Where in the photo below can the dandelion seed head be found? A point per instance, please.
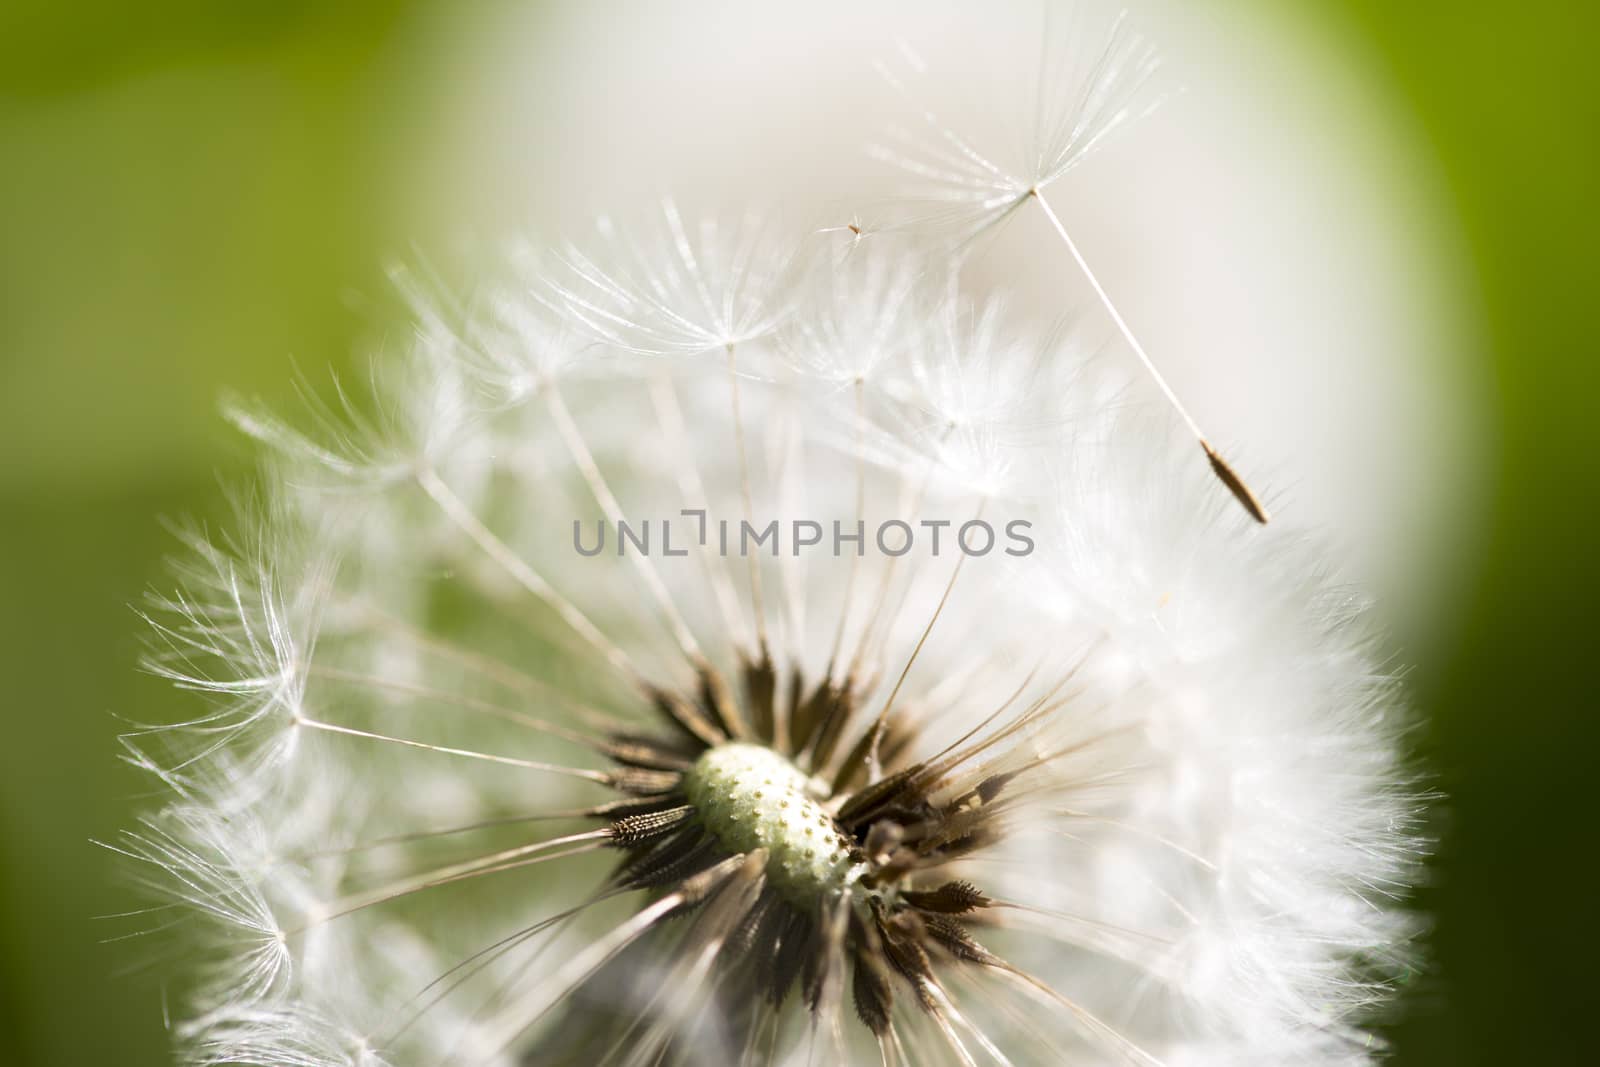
(1118, 784)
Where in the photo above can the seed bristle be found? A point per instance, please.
(952, 898)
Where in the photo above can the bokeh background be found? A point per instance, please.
(199, 197)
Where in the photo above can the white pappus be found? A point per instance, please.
(892, 792)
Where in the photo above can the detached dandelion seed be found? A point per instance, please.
(974, 731)
(1101, 84)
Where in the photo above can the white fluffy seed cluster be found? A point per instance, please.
(1218, 830)
(750, 797)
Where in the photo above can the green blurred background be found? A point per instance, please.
(191, 192)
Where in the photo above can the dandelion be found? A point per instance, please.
(920, 708)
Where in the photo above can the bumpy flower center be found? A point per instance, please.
(750, 797)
